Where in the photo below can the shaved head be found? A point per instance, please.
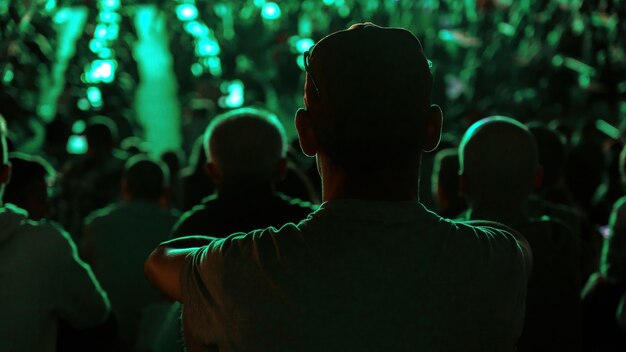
(498, 161)
(246, 143)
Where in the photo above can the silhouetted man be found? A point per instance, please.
(246, 154)
(499, 169)
(372, 269)
(43, 280)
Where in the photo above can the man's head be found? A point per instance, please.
(101, 134)
(367, 97)
(245, 145)
(144, 179)
(28, 188)
(5, 168)
(498, 162)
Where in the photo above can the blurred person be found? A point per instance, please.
(43, 280)
(28, 188)
(606, 288)
(445, 183)
(372, 269)
(173, 159)
(117, 239)
(246, 158)
(91, 181)
(196, 184)
(499, 169)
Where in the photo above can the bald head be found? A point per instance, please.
(246, 144)
(498, 161)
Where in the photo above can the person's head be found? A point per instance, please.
(498, 162)
(368, 102)
(244, 145)
(28, 188)
(445, 182)
(5, 168)
(101, 134)
(144, 179)
(552, 153)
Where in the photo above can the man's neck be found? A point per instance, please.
(398, 186)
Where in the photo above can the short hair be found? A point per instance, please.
(246, 143)
(26, 170)
(372, 86)
(499, 157)
(101, 133)
(4, 157)
(145, 179)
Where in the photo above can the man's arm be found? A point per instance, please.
(165, 263)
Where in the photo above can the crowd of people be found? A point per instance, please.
(259, 236)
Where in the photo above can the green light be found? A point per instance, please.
(76, 145)
(50, 5)
(506, 29)
(207, 47)
(101, 71)
(187, 12)
(446, 35)
(8, 76)
(584, 81)
(196, 29)
(259, 3)
(94, 95)
(344, 11)
(100, 32)
(300, 62)
(304, 44)
(608, 129)
(215, 65)
(270, 11)
(110, 17)
(106, 53)
(328, 2)
(62, 16)
(197, 69)
(79, 127)
(557, 60)
(235, 97)
(110, 4)
(83, 104)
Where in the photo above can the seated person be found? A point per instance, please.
(372, 269)
(43, 279)
(246, 154)
(445, 183)
(118, 238)
(499, 169)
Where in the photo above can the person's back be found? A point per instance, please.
(372, 269)
(360, 275)
(43, 280)
(245, 151)
(499, 168)
(118, 238)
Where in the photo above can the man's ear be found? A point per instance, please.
(306, 133)
(433, 128)
(213, 171)
(538, 178)
(5, 174)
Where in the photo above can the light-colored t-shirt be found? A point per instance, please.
(359, 276)
(42, 280)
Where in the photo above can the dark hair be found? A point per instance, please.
(145, 179)
(372, 88)
(101, 133)
(552, 153)
(26, 170)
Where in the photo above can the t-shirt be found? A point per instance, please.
(116, 242)
(226, 213)
(42, 280)
(359, 276)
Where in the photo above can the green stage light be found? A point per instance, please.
(197, 69)
(110, 5)
(304, 44)
(196, 29)
(76, 145)
(270, 11)
(79, 127)
(110, 17)
(94, 95)
(207, 47)
(101, 71)
(187, 12)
